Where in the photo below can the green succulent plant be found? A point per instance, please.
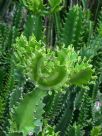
(50, 68)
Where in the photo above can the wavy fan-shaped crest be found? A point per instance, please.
(54, 69)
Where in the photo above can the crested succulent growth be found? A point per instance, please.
(54, 69)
